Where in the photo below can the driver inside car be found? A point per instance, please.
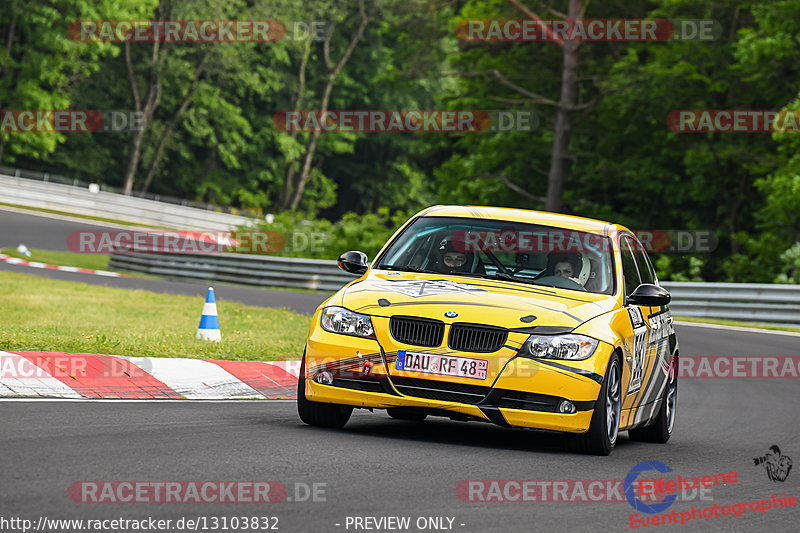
(451, 260)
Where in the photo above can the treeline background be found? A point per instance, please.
(210, 136)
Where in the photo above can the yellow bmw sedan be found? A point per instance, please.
(519, 318)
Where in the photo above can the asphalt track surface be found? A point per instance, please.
(380, 467)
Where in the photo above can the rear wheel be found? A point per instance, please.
(660, 429)
(604, 427)
(404, 413)
(326, 415)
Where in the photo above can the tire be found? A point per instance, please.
(604, 428)
(325, 415)
(404, 413)
(660, 430)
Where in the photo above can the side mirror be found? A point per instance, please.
(650, 295)
(353, 262)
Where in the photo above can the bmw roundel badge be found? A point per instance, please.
(451, 314)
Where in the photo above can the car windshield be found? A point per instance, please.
(511, 251)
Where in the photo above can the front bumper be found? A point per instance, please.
(521, 392)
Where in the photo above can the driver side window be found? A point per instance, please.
(629, 271)
(646, 271)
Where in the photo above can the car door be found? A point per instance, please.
(635, 337)
(661, 340)
(646, 353)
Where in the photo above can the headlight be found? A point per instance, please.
(572, 347)
(340, 320)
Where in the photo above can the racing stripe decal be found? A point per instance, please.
(580, 371)
(494, 415)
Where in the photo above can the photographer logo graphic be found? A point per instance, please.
(777, 466)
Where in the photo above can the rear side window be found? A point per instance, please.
(629, 270)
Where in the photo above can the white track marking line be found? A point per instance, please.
(35, 264)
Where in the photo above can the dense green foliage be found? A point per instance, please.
(625, 165)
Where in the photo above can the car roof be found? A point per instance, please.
(523, 215)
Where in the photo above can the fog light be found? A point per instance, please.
(566, 406)
(325, 378)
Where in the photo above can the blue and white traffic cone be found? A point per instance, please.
(23, 250)
(209, 322)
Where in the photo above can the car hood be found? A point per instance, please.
(476, 300)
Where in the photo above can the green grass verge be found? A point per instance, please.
(75, 215)
(723, 322)
(63, 316)
(91, 261)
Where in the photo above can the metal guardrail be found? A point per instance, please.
(83, 201)
(46, 177)
(748, 302)
(260, 270)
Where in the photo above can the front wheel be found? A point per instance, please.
(326, 415)
(604, 427)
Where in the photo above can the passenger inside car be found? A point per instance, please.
(565, 265)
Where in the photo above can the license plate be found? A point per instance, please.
(446, 365)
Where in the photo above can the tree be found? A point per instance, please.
(296, 185)
(40, 64)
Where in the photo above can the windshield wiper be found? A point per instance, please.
(511, 277)
(497, 275)
(405, 268)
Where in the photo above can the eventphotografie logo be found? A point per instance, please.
(666, 491)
